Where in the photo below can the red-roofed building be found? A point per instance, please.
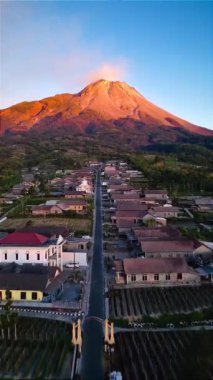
(167, 248)
(32, 248)
(169, 271)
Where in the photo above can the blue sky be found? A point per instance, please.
(164, 49)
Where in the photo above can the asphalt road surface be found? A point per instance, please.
(93, 339)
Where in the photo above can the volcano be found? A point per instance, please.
(102, 104)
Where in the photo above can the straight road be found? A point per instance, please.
(93, 338)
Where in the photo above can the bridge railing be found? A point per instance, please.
(73, 305)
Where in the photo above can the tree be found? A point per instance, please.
(7, 309)
(2, 325)
(151, 223)
(14, 320)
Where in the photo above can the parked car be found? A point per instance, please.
(72, 265)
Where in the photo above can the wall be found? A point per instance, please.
(167, 254)
(44, 251)
(16, 295)
(79, 257)
(186, 277)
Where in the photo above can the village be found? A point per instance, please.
(154, 274)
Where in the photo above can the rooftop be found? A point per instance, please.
(170, 265)
(155, 191)
(24, 238)
(167, 246)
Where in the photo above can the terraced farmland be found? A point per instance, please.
(173, 355)
(40, 350)
(139, 302)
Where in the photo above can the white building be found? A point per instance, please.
(85, 186)
(31, 248)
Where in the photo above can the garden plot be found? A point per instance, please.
(40, 349)
(139, 302)
(173, 355)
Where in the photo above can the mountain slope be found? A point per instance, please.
(100, 103)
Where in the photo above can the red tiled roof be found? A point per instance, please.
(24, 238)
(123, 223)
(167, 246)
(170, 265)
(155, 191)
(131, 214)
(127, 196)
(156, 232)
(130, 206)
(165, 209)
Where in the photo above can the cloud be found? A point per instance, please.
(85, 65)
(109, 71)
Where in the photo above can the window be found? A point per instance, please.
(23, 295)
(38, 256)
(179, 276)
(45, 255)
(144, 277)
(27, 256)
(167, 276)
(8, 295)
(5, 256)
(82, 246)
(34, 295)
(133, 277)
(16, 256)
(156, 277)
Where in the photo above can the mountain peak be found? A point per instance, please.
(109, 100)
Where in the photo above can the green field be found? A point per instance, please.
(78, 225)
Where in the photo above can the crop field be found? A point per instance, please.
(138, 302)
(41, 349)
(168, 355)
(73, 224)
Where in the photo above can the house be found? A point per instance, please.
(59, 207)
(31, 282)
(164, 212)
(76, 244)
(131, 206)
(157, 221)
(204, 204)
(124, 226)
(152, 272)
(44, 210)
(136, 216)
(30, 247)
(85, 186)
(167, 248)
(156, 233)
(119, 187)
(128, 196)
(111, 170)
(74, 194)
(77, 205)
(206, 273)
(133, 173)
(156, 194)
